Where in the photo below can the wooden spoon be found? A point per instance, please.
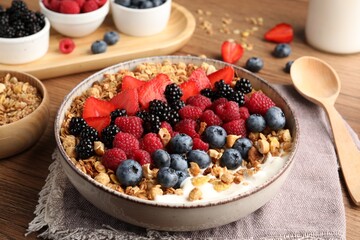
(319, 83)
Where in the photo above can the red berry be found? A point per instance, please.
(231, 51)
(217, 102)
(99, 123)
(127, 142)
(236, 127)
(228, 111)
(199, 101)
(129, 82)
(167, 125)
(127, 99)
(100, 2)
(112, 158)
(259, 103)
(132, 125)
(89, 6)
(210, 118)
(244, 112)
(69, 7)
(187, 126)
(141, 156)
(66, 45)
(94, 107)
(226, 74)
(153, 89)
(80, 2)
(151, 142)
(53, 5)
(190, 112)
(281, 33)
(200, 144)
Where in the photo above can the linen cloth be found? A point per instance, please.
(309, 205)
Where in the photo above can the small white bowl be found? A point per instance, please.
(25, 49)
(141, 22)
(76, 25)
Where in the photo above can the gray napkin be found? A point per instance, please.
(308, 206)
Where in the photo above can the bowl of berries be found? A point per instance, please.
(176, 143)
(75, 18)
(24, 34)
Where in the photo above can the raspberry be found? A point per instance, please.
(168, 127)
(236, 127)
(199, 101)
(141, 156)
(210, 118)
(200, 144)
(132, 125)
(126, 142)
(80, 2)
(244, 112)
(151, 142)
(190, 112)
(228, 111)
(259, 103)
(69, 7)
(54, 5)
(187, 126)
(100, 2)
(66, 45)
(112, 158)
(217, 102)
(89, 6)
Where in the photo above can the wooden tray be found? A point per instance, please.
(178, 31)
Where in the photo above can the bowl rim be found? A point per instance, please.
(188, 205)
(29, 38)
(137, 10)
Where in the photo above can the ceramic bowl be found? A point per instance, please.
(25, 49)
(141, 22)
(17, 136)
(76, 25)
(171, 216)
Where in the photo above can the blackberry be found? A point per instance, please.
(174, 117)
(237, 97)
(243, 85)
(207, 92)
(142, 114)
(89, 133)
(117, 113)
(17, 5)
(159, 108)
(223, 90)
(173, 93)
(151, 123)
(84, 149)
(176, 106)
(76, 125)
(108, 135)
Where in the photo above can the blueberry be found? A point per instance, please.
(182, 175)
(282, 50)
(178, 162)
(275, 118)
(146, 4)
(98, 46)
(200, 157)
(161, 158)
(158, 2)
(254, 64)
(215, 136)
(111, 37)
(243, 145)
(255, 123)
(181, 143)
(288, 66)
(167, 177)
(129, 173)
(125, 3)
(231, 159)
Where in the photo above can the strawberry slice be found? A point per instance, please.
(99, 123)
(94, 107)
(129, 82)
(226, 73)
(200, 78)
(127, 99)
(281, 33)
(153, 89)
(189, 89)
(231, 51)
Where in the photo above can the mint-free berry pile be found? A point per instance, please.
(172, 130)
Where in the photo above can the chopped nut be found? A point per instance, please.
(99, 167)
(194, 169)
(227, 177)
(231, 139)
(164, 136)
(202, 127)
(99, 148)
(262, 146)
(220, 186)
(154, 191)
(195, 194)
(198, 181)
(114, 179)
(102, 178)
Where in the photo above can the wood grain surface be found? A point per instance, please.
(22, 176)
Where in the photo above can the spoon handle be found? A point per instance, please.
(347, 151)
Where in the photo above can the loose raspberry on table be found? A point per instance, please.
(259, 103)
(113, 157)
(200, 144)
(244, 112)
(236, 127)
(210, 118)
(199, 101)
(151, 142)
(228, 111)
(190, 112)
(141, 156)
(187, 126)
(131, 124)
(167, 125)
(126, 142)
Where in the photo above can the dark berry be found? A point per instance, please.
(84, 149)
(117, 113)
(125, 3)
(282, 50)
(160, 109)
(178, 162)
(180, 143)
(223, 90)
(215, 136)
(174, 117)
(182, 175)
(200, 157)
(151, 123)
(129, 173)
(161, 158)
(255, 123)
(146, 4)
(173, 93)
(243, 85)
(288, 66)
(275, 118)
(207, 92)
(76, 125)
(89, 133)
(167, 177)
(254, 64)
(243, 145)
(108, 135)
(237, 97)
(111, 37)
(231, 158)
(99, 46)
(177, 105)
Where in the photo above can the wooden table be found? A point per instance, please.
(22, 176)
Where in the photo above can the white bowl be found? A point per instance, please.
(172, 216)
(76, 25)
(141, 22)
(25, 49)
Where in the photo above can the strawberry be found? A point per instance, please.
(127, 99)
(153, 89)
(99, 123)
(189, 89)
(259, 103)
(281, 33)
(94, 107)
(226, 73)
(200, 78)
(231, 51)
(129, 82)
